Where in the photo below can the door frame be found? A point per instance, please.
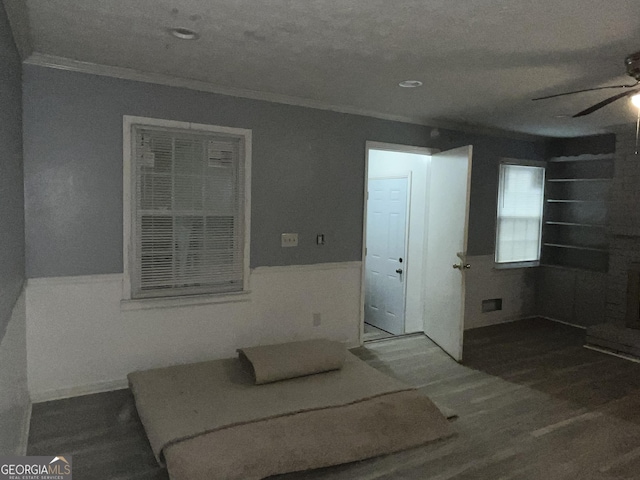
(392, 147)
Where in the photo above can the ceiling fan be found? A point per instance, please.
(632, 62)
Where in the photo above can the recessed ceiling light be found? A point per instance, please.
(410, 83)
(184, 33)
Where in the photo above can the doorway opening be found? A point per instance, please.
(415, 228)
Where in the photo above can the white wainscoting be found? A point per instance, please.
(81, 340)
(15, 407)
(515, 286)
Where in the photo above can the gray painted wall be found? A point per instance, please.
(14, 398)
(308, 170)
(11, 184)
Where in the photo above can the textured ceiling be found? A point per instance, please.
(481, 61)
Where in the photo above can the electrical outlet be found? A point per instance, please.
(289, 240)
(317, 319)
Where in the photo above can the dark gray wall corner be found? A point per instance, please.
(12, 255)
(593, 145)
(14, 397)
(307, 170)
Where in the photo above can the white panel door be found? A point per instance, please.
(386, 254)
(446, 248)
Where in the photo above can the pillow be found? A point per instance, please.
(271, 363)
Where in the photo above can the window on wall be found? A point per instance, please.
(188, 208)
(520, 207)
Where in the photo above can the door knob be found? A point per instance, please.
(461, 266)
(399, 270)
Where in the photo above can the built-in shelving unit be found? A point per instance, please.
(576, 210)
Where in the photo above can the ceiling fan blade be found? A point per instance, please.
(605, 102)
(585, 90)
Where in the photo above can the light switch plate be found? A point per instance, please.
(289, 240)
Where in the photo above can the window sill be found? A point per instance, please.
(514, 265)
(184, 301)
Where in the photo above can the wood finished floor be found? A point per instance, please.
(374, 333)
(532, 404)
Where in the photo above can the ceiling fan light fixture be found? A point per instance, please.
(410, 84)
(184, 33)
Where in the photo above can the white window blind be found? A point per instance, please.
(188, 212)
(520, 205)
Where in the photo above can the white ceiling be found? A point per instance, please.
(481, 61)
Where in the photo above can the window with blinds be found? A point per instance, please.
(520, 207)
(188, 215)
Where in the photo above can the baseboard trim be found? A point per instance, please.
(612, 353)
(79, 391)
(26, 427)
(503, 321)
(528, 317)
(581, 327)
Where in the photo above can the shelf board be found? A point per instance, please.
(585, 269)
(557, 200)
(584, 158)
(573, 224)
(574, 268)
(576, 247)
(579, 179)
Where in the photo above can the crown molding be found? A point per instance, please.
(62, 63)
(18, 16)
(68, 64)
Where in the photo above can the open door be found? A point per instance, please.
(446, 249)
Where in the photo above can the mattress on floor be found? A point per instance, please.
(210, 421)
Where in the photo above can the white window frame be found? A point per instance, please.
(529, 263)
(128, 185)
